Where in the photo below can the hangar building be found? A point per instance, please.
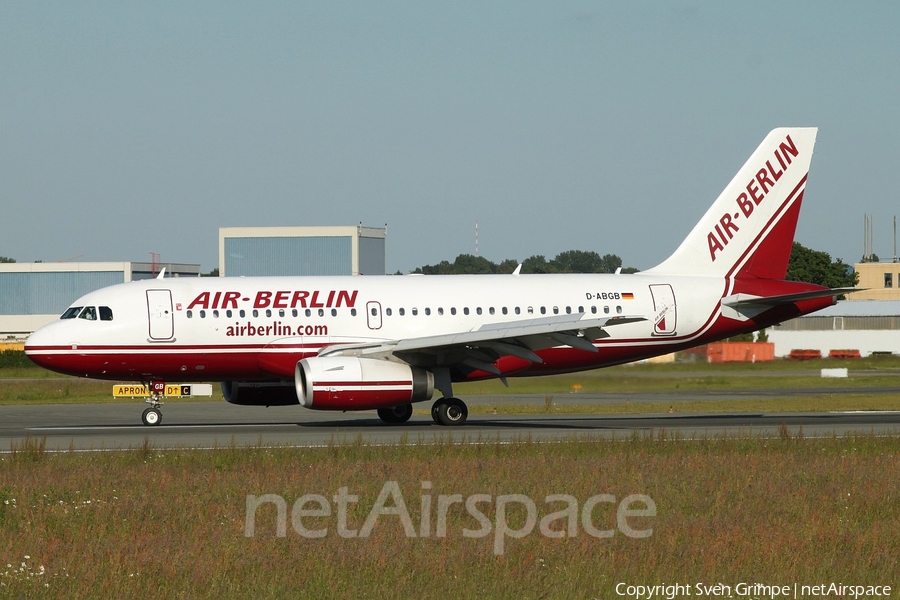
(306, 251)
(865, 325)
(33, 294)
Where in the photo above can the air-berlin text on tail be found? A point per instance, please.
(278, 299)
(754, 193)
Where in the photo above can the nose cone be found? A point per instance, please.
(44, 348)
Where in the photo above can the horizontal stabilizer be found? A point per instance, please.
(746, 306)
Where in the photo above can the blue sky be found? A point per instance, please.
(135, 127)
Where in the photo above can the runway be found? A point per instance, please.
(216, 424)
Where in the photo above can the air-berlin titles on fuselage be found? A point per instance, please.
(756, 191)
(279, 299)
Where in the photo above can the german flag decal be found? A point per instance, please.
(627, 296)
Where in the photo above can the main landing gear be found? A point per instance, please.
(445, 411)
(449, 411)
(396, 414)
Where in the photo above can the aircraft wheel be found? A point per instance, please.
(396, 414)
(451, 411)
(434, 411)
(152, 416)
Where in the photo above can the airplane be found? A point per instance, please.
(385, 342)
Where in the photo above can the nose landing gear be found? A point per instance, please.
(152, 415)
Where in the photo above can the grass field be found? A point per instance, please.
(154, 524)
(148, 523)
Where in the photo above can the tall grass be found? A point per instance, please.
(170, 524)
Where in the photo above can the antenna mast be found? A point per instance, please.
(154, 264)
(476, 238)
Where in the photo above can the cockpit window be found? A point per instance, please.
(89, 313)
(105, 313)
(71, 312)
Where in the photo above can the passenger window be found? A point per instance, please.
(466, 310)
(202, 314)
(388, 311)
(543, 310)
(105, 313)
(375, 311)
(401, 311)
(321, 312)
(518, 311)
(593, 310)
(478, 310)
(619, 310)
(89, 313)
(530, 310)
(440, 310)
(243, 313)
(606, 310)
(281, 312)
(427, 311)
(453, 310)
(503, 310)
(308, 312)
(268, 313)
(333, 312)
(72, 312)
(581, 309)
(255, 313)
(568, 310)
(294, 313)
(415, 311)
(216, 314)
(352, 312)
(555, 310)
(190, 314)
(228, 313)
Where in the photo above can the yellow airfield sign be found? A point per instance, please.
(175, 390)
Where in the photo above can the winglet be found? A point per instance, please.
(518, 269)
(162, 273)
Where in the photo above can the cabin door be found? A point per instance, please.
(159, 311)
(664, 314)
(373, 315)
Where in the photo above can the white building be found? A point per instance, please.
(303, 251)
(865, 325)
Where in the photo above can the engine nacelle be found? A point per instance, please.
(254, 393)
(353, 383)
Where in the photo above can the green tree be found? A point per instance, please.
(813, 266)
(570, 261)
(577, 261)
(6, 259)
(536, 264)
(213, 273)
(464, 263)
(507, 266)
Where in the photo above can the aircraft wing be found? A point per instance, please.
(483, 345)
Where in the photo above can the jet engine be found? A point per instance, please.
(354, 383)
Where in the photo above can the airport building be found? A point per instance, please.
(870, 326)
(303, 251)
(880, 280)
(33, 294)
